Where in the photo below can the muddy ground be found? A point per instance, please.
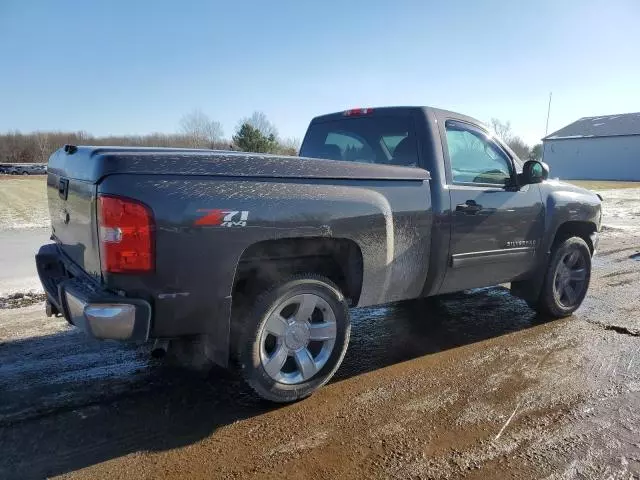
(474, 385)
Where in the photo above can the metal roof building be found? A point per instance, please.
(596, 148)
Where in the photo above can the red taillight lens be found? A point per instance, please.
(126, 230)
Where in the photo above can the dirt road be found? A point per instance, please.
(472, 386)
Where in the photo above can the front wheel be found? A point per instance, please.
(294, 339)
(567, 278)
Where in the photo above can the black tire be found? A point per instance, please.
(251, 324)
(552, 301)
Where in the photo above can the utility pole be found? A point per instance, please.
(546, 129)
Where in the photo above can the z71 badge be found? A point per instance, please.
(222, 218)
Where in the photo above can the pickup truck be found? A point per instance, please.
(256, 259)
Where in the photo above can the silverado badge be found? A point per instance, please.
(521, 243)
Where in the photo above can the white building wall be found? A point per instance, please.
(601, 158)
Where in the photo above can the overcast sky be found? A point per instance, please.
(133, 67)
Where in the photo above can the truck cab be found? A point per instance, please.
(492, 222)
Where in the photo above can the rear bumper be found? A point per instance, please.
(595, 240)
(85, 304)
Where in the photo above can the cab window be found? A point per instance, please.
(387, 140)
(475, 158)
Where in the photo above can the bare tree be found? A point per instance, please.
(200, 130)
(502, 130)
(14, 146)
(44, 149)
(290, 146)
(520, 148)
(259, 121)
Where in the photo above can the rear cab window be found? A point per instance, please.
(385, 140)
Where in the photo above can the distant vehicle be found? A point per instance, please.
(24, 169)
(259, 257)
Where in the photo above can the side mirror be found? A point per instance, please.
(533, 171)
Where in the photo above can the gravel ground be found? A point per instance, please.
(471, 386)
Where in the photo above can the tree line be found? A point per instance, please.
(255, 133)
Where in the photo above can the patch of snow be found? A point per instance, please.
(17, 252)
(21, 285)
(621, 210)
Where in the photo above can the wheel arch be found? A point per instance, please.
(530, 288)
(576, 228)
(266, 262)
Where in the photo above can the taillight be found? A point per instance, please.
(354, 112)
(126, 230)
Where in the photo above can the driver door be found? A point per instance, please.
(495, 226)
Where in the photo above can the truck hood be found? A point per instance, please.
(569, 189)
(93, 163)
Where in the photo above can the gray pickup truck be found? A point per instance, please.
(257, 258)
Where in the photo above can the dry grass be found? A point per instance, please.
(604, 184)
(23, 202)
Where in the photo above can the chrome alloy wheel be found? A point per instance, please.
(297, 338)
(570, 279)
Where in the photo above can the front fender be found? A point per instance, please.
(566, 207)
(567, 203)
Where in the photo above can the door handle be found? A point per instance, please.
(469, 207)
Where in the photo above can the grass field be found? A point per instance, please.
(23, 202)
(603, 184)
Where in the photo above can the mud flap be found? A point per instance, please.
(217, 345)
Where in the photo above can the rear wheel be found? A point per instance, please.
(567, 278)
(294, 339)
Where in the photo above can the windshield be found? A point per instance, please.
(384, 140)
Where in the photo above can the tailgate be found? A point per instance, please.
(72, 208)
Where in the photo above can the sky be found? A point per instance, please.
(134, 67)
